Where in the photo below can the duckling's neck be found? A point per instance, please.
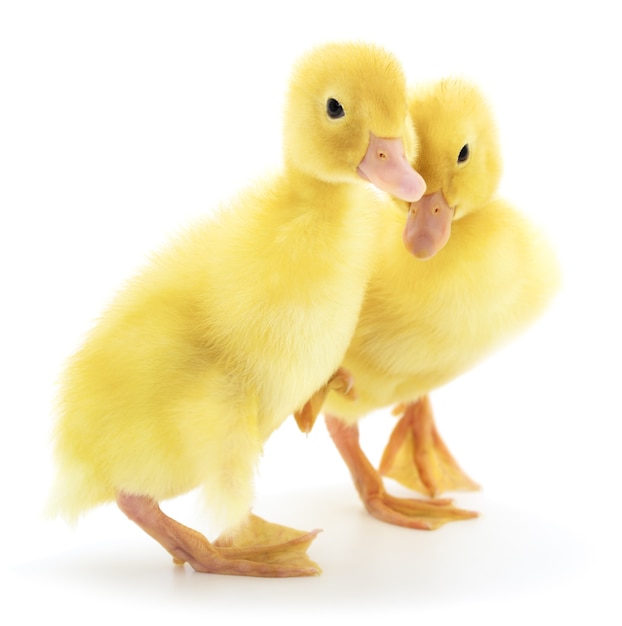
(308, 217)
(310, 194)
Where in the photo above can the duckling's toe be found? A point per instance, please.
(262, 542)
(413, 513)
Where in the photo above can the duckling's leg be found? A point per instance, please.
(412, 513)
(417, 457)
(283, 559)
(341, 382)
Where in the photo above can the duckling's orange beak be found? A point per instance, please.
(428, 225)
(385, 165)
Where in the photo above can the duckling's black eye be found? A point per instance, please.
(464, 153)
(334, 109)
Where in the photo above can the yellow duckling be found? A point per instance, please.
(487, 273)
(234, 325)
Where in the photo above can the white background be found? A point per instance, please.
(122, 121)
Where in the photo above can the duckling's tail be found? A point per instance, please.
(73, 493)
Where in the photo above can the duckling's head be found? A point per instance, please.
(459, 158)
(347, 118)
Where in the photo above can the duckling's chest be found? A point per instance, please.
(288, 317)
(439, 324)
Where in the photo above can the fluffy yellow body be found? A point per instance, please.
(426, 322)
(210, 348)
(488, 272)
(240, 320)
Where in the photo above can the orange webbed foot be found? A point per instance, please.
(264, 542)
(258, 548)
(417, 457)
(407, 512)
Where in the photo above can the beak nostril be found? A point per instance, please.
(436, 210)
(383, 156)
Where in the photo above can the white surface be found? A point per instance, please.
(120, 123)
